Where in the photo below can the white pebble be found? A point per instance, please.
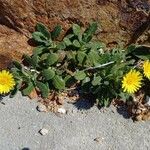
(61, 110)
(43, 131)
(41, 108)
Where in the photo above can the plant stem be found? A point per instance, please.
(99, 66)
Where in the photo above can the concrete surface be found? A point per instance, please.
(20, 123)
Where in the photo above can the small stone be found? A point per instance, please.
(60, 100)
(61, 110)
(98, 139)
(74, 111)
(43, 131)
(112, 111)
(138, 111)
(41, 108)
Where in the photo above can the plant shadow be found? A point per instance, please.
(1, 98)
(123, 110)
(25, 148)
(32, 43)
(84, 103)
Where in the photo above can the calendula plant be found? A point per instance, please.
(49, 68)
(103, 80)
(39, 71)
(77, 60)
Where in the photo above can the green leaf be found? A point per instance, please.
(87, 36)
(16, 73)
(106, 83)
(27, 58)
(44, 89)
(17, 65)
(39, 37)
(28, 89)
(38, 50)
(44, 56)
(69, 80)
(91, 29)
(58, 82)
(51, 59)
(106, 102)
(142, 53)
(67, 41)
(59, 72)
(76, 43)
(81, 56)
(80, 75)
(93, 57)
(55, 33)
(96, 81)
(95, 45)
(131, 48)
(87, 79)
(34, 60)
(124, 96)
(16, 89)
(48, 74)
(76, 29)
(71, 55)
(61, 46)
(69, 36)
(43, 29)
(14, 92)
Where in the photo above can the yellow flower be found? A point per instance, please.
(132, 81)
(6, 82)
(146, 68)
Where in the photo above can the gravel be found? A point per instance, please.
(43, 131)
(61, 110)
(41, 108)
(82, 128)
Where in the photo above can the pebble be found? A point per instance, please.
(74, 111)
(41, 108)
(98, 139)
(61, 100)
(61, 110)
(43, 131)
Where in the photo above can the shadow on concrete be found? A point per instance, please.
(25, 148)
(123, 110)
(84, 104)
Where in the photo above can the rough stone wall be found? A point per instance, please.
(120, 21)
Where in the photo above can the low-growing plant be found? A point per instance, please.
(78, 61)
(39, 71)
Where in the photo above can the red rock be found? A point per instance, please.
(121, 22)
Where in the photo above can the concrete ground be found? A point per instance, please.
(89, 129)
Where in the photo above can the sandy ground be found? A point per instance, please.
(20, 123)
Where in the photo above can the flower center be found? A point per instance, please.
(3, 81)
(130, 81)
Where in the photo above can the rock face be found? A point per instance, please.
(12, 46)
(121, 21)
